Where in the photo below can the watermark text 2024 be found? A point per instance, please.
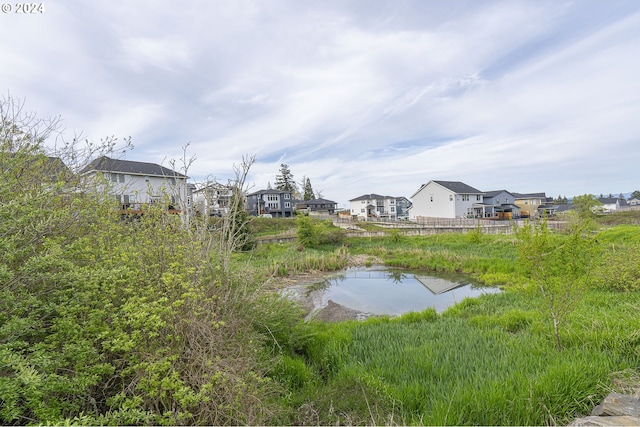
(22, 8)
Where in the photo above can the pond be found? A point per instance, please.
(374, 291)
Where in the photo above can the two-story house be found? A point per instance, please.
(447, 199)
(277, 203)
(133, 184)
(373, 206)
(212, 199)
(500, 204)
(531, 204)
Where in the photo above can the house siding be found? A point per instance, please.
(439, 207)
(274, 202)
(135, 190)
(373, 205)
(437, 201)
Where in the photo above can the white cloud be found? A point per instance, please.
(360, 97)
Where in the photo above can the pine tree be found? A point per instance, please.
(284, 181)
(308, 190)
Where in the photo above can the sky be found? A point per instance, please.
(365, 96)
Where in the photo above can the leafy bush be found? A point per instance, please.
(105, 321)
(308, 233)
(313, 234)
(618, 269)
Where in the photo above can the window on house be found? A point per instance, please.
(478, 197)
(465, 197)
(114, 177)
(497, 201)
(117, 197)
(287, 204)
(362, 210)
(393, 208)
(287, 196)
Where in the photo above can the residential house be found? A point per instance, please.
(633, 202)
(212, 199)
(610, 204)
(317, 205)
(402, 207)
(373, 206)
(55, 169)
(133, 184)
(548, 208)
(532, 205)
(500, 204)
(447, 199)
(277, 203)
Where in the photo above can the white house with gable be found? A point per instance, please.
(133, 184)
(373, 206)
(446, 199)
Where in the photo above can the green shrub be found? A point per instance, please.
(308, 233)
(618, 269)
(475, 235)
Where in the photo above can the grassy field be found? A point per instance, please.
(486, 361)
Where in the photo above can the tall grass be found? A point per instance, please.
(284, 259)
(486, 361)
(470, 366)
(492, 259)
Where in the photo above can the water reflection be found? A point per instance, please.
(379, 291)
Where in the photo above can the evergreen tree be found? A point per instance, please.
(621, 196)
(284, 181)
(308, 190)
(635, 194)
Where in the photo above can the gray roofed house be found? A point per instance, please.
(133, 184)
(499, 204)
(107, 164)
(610, 204)
(446, 199)
(277, 203)
(458, 187)
(373, 206)
(315, 205)
(532, 205)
